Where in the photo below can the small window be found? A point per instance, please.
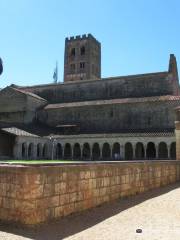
(82, 65)
(82, 51)
(73, 52)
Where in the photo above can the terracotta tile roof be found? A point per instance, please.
(113, 101)
(29, 93)
(130, 134)
(17, 132)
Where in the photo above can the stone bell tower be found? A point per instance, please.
(82, 58)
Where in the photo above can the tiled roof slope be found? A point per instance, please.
(17, 132)
(28, 93)
(113, 101)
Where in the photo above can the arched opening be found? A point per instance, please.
(173, 150)
(96, 151)
(83, 51)
(139, 152)
(77, 151)
(39, 150)
(106, 151)
(45, 151)
(128, 151)
(67, 151)
(73, 52)
(162, 150)
(86, 151)
(30, 150)
(24, 146)
(151, 151)
(58, 151)
(116, 151)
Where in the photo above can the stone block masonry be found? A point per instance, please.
(36, 194)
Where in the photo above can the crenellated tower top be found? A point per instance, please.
(82, 58)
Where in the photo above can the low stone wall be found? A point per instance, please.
(36, 194)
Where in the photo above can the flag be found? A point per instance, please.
(55, 74)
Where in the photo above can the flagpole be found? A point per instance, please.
(56, 71)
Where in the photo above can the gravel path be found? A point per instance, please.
(157, 213)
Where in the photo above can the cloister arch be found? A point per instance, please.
(86, 152)
(45, 151)
(67, 151)
(162, 150)
(58, 151)
(39, 150)
(173, 150)
(96, 153)
(24, 149)
(106, 151)
(139, 151)
(30, 150)
(77, 151)
(128, 151)
(151, 150)
(116, 151)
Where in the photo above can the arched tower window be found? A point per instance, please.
(73, 52)
(83, 51)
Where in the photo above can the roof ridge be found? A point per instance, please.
(28, 93)
(94, 80)
(116, 100)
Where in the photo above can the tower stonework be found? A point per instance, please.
(82, 58)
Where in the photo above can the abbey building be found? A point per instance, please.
(89, 117)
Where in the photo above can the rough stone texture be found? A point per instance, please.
(120, 116)
(32, 195)
(17, 106)
(80, 50)
(143, 85)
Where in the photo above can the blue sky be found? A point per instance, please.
(137, 36)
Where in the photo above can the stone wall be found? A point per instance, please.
(144, 85)
(32, 195)
(114, 117)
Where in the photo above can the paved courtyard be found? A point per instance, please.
(157, 213)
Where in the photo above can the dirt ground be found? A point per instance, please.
(157, 213)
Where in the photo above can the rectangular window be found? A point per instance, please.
(82, 65)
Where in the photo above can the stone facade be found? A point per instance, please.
(82, 58)
(90, 105)
(31, 195)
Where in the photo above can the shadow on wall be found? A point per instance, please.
(78, 222)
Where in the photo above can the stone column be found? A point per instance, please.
(169, 154)
(81, 148)
(100, 146)
(111, 152)
(145, 151)
(62, 151)
(157, 156)
(90, 152)
(122, 152)
(34, 152)
(26, 150)
(134, 151)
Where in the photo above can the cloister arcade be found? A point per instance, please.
(99, 151)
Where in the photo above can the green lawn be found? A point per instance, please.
(36, 161)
